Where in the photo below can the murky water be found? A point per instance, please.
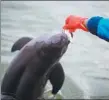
(86, 62)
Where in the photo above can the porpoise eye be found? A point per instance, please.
(43, 52)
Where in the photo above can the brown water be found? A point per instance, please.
(86, 63)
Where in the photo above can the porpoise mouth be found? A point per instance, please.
(69, 35)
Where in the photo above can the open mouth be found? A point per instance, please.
(69, 35)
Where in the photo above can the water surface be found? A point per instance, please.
(86, 62)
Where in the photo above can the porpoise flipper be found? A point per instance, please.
(20, 43)
(57, 77)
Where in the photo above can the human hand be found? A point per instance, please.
(74, 22)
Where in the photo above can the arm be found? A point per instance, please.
(98, 26)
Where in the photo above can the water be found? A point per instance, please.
(86, 62)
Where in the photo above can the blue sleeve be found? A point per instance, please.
(99, 26)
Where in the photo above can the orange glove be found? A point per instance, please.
(74, 22)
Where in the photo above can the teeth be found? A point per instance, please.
(68, 35)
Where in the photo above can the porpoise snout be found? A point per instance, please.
(58, 41)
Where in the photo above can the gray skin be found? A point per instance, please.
(28, 72)
(56, 75)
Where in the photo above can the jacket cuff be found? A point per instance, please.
(92, 24)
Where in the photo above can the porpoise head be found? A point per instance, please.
(54, 48)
